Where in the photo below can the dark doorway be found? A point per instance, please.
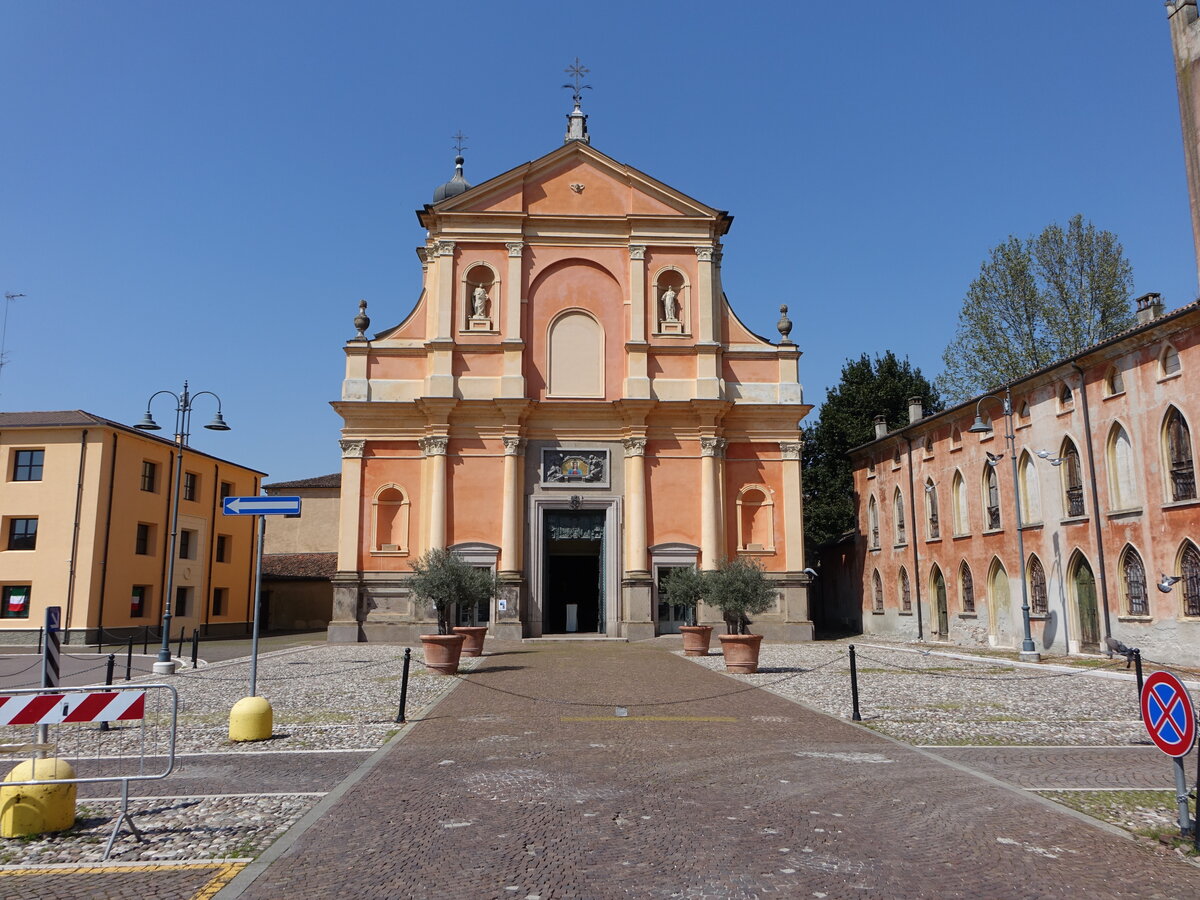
(1085, 595)
(572, 599)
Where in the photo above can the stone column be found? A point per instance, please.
(344, 625)
(510, 527)
(635, 500)
(434, 449)
(712, 450)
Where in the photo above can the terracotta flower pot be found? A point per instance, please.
(741, 652)
(696, 639)
(442, 652)
(474, 634)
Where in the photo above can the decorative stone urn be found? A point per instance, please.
(741, 652)
(442, 652)
(696, 639)
(474, 634)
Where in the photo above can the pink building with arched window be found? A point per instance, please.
(1106, 449)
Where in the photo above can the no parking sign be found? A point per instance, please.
(1167, 712)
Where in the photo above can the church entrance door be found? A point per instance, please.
(573, 587)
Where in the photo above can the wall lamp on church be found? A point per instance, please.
(1028, 649)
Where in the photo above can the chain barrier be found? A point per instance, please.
(36, 662)
(990, 678)
(195, 674)
(1182, 672)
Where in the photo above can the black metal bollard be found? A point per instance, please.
(99, 641)
(854, 716)
(41, 634)
(129, 659)
(404, 686)
(195, 646)
(179, 653)
(145, 640)
(1137, 662)
(108, 677)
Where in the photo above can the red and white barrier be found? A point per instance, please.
(77, 706)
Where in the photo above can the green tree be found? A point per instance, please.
(868, 388)
(1036, 301)
(446, 580)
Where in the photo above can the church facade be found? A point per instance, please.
(573, 404)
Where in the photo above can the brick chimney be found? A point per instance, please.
(1149, 307)
(915, 410)
(880, 426)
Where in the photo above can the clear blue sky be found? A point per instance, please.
(205, 190)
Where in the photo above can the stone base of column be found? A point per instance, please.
(637, 620)
(344, 633)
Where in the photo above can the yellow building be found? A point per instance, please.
(86, 506)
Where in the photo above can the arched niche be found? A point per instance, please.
(756, 519)
(575, 345)
(389, 520)
(672, 301)
(480, 297)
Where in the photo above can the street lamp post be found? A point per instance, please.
(183, 418)
(1028, 649)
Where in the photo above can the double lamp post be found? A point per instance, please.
(183, 420)
(1029, 651)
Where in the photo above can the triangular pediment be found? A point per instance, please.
(577, 180)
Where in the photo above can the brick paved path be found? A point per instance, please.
(496, 795)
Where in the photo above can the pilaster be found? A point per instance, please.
(712, 452)
(637, 371)
(793, 506)
(635, 496)
(510, 526)
(434, 448)
(350, 508)
(512, 381)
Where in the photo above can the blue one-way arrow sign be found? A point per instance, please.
(261, 506)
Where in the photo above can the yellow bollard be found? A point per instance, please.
(250, 719)
(37, 808)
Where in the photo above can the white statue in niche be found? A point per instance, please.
(479, 302)
(670, 305)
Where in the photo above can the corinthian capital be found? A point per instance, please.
(635, 446)
(352, 449)
(433, 446)
(791, 449)
(514, 446)
(712, 446)
(704, 254)
(444, 248)
(637, 251)
(515, 248)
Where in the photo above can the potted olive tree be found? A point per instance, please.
(445, 580)
(685, 587)
(739, 588)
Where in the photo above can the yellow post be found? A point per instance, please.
(250, 719)
(37, 808)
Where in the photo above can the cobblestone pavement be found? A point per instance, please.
(708, 788)
(1065, 768)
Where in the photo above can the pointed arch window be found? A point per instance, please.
(1189, 568)
(1114, 382)
(991, 497)
(1121, 482)
(1179, 456)
(1038, 597)
(966, 588)
(931, 510)
(877, 591)
(1133, 573)
(929, 445)
(1066, 399)
(898, 511)
(873, 523)
(896, 457)
(1072, 479)
(1169, 362)
(1031, 495)
(955, 438)
(958, 496)
(905, 591)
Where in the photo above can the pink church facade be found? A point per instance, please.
(1105, 444)
(573, 404)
